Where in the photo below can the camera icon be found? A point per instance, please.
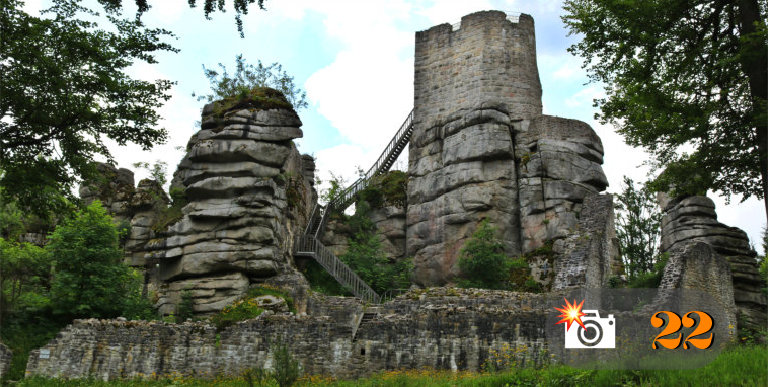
(599, 332)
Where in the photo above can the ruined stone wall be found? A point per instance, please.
(481, 149)
(438, 332)
(249, 193)
(5, 360)
(589, 255)
(693, 219)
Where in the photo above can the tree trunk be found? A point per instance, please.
(755, 65)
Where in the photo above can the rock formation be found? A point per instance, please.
(114, 188)
(482, 149)
(248, 194)
(693, 219)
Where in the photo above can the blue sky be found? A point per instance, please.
(355, 60)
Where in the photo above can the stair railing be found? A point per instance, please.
(308, 245)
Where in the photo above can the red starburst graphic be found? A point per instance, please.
(571, 313)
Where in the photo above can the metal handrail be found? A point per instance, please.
(514, 17)
(382, 164)
(308, 245)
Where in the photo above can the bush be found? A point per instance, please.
(366, 258)
(91, 279)
(482, 261)
(243, 309)
(651, 279)
(286, 369)
(185, 309)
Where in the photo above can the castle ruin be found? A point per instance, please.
(479, 148)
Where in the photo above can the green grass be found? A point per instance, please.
(738, 366)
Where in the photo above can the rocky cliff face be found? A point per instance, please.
(693, 219)
(114, 188)
(248, 193)
(482, 149)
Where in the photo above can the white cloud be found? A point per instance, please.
(33, 7)
(585, 96)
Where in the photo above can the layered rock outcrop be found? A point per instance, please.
(481, 148)
(693, 219)
(248, 194)
(114, 188)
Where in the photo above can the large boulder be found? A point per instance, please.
(690, 219)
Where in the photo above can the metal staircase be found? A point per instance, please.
(309, 244)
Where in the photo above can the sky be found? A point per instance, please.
(354, 58)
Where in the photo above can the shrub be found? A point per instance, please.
(286, 369)
(651, 279)
(243, 309)
(186, 308)
(91, 279)
(482, 261)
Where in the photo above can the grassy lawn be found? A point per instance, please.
(739, 366)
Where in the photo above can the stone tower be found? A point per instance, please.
(481, 148)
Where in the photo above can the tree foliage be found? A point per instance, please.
(366, 257)
(688, 81)
(91, 280)
(482, 260)
(248, 77)
(24, 277)
(64, 91)
(638, 227)
(209, 7)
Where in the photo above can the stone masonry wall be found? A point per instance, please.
(443, 333)
(589, 255)
(5, 360)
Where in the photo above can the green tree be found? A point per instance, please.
(64, 91)
(90, 279)
(482, 260)
(684, 75)
(24, 277)
(158, 170)
(638, 227)
(248, 77)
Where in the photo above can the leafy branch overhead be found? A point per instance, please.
(64, 92)
(248, 78)
(688, 81)
(209, 7)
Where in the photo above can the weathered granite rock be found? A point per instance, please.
(248, 194)
(693, 219)
(336, 236)
(114, 188)
(148, 201)
(5, 360)
(390, 229)
(481, 149)
(589, 256)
